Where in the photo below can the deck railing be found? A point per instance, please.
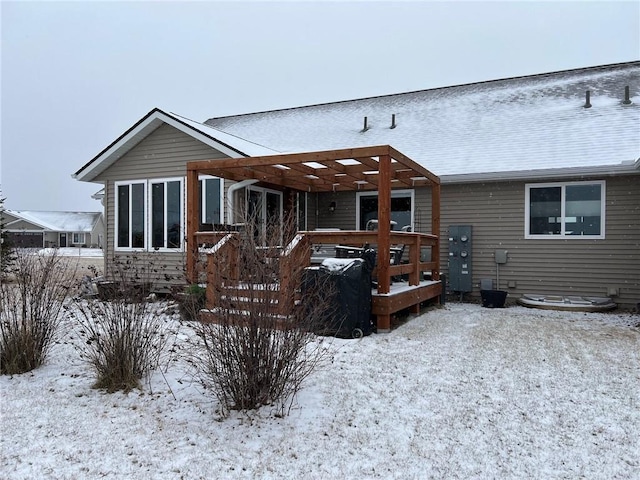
(223, 250)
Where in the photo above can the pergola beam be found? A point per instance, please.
(297, 170)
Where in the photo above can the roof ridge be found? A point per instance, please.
(446, 87)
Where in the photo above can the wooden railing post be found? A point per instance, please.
(212, 281)
(293, 258)
(222, 260)
(414, 258)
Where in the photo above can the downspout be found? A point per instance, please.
(230, 192)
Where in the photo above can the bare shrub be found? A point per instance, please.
(123, 341)
(6, 248)
(258, 352)
(129, 277)
(190, 301)
(124, 336)
(31, 307)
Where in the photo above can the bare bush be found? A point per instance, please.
(31, 308)
(124, 335)
(6, 248)
(123, 341)
(258, 352)
(129, 277)
(190, 301)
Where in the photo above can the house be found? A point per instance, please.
(540, 175)
(39, 229)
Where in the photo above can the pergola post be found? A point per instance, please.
(435, 229)
(384, 225)
(193, 223)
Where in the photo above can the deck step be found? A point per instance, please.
(245, 297)
(242, 318)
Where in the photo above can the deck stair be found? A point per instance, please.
(243, 299)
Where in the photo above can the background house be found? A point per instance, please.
(38, 229)
(544, 170)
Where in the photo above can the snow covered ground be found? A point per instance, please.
(74, 251)
(459, 392)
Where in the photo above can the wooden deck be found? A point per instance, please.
(405, 296)
(389, 298)
(376, 168)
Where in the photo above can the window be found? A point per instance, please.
(166, 214)
(264, 206)
(211, 192)
(149, 214)
(78, 238)
(566, 210)
(401, 209)
(130, 215)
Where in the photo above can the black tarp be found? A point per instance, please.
(349, 315)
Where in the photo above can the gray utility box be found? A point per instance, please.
(460, 258)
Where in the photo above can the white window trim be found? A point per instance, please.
(149, 210)
(394, 193)
(563, 235)
(203, 211)
(147, 215)
(81, 238)
(116, 219)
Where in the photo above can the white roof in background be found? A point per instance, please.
(502, 128)
(58, 221)
(229, 144)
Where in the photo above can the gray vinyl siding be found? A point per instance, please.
(162, 154)
(548, 266)
(344, 216)
(24, 225)
(496, 212)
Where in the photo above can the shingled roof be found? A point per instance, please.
(516, 128)
(508, 128)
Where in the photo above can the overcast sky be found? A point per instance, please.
(76, 75)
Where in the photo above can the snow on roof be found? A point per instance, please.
(229, 144)
(59, 221)
(248, 147)
(521, 124)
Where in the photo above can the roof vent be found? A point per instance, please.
(627, 98)
(366, 125)
(393, 121)
(587, 101)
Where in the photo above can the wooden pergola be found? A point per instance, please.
(379, 168)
